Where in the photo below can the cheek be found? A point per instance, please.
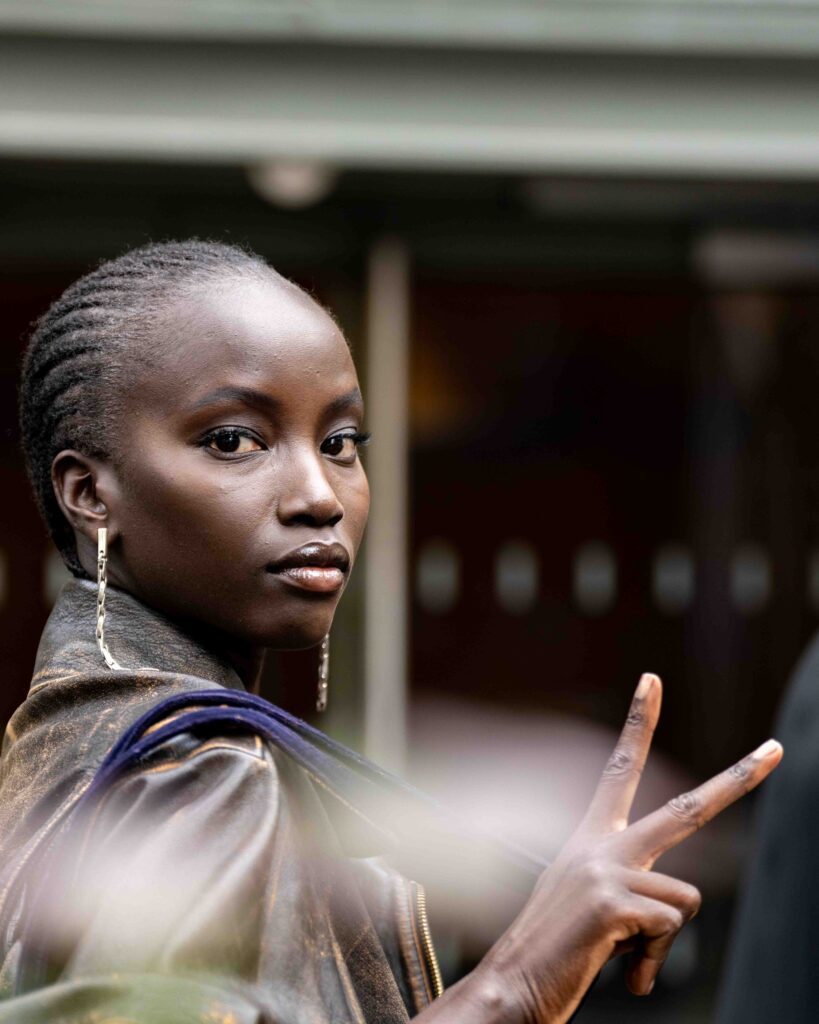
(181, 507)
(356, 501)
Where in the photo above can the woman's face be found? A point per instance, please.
(242, 500)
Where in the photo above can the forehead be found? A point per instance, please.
(261, 333)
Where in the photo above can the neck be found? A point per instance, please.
(246, 660)
(248, 666)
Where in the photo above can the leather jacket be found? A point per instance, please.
(214, 883)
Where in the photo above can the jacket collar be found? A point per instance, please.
(139, 637)
(160, 660)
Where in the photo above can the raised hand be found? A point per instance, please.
(601, 896)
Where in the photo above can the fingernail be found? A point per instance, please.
(645, 684)
(650, 988)
(768, 747)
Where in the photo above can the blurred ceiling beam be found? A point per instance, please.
(223, 102)
(718, 26)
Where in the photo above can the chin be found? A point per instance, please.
(296, 636)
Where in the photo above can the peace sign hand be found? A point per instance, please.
(601, 897)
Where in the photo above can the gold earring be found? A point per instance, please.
(102, 586)
(323, 674)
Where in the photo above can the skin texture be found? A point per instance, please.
(193, 532)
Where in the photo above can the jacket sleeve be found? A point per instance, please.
(155, 909)
(211, 871)
(174, 871)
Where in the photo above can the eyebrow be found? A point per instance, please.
(245, 396)
(266, 403)
(352, 400)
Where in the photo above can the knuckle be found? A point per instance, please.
(608, 906)
(596, 875)
(619, 763)
(686, 807)
(667, 923)
(693, 902)
(636, 717)
(741, 771)
(675, 920)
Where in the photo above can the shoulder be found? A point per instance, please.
(195, 802)
(211, 769)
(188, 748)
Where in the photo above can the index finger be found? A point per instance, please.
(654, 835)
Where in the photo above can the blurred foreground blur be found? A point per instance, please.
(575, 247)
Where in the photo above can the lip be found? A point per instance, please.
(319, 567)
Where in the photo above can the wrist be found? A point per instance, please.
(496, 996)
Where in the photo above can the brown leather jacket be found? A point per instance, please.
(214, 883)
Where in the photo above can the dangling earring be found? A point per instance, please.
(323, 673)
(102, 584)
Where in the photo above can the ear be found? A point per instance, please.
(86, 490)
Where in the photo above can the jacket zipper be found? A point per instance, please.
(428, 950)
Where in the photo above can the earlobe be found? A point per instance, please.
(80, 488)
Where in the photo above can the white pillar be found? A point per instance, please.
(385, 660)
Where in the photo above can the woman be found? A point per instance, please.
(191, 422)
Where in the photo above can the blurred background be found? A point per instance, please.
(575, 247)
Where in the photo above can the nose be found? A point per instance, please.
(305, 493)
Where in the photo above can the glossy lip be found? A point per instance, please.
(319, 567)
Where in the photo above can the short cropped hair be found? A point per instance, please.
(81, 350)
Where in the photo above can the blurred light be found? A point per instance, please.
(647, 199)
(588, 198)
(516, 577)
(55, 575)
(750, 579)
(292, 184)
(438, 577)
(745, 258)
(595, 578)
(673, 579)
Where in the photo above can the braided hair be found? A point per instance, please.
(77, 359)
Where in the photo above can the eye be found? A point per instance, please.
(344, 447)
(232, 441)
